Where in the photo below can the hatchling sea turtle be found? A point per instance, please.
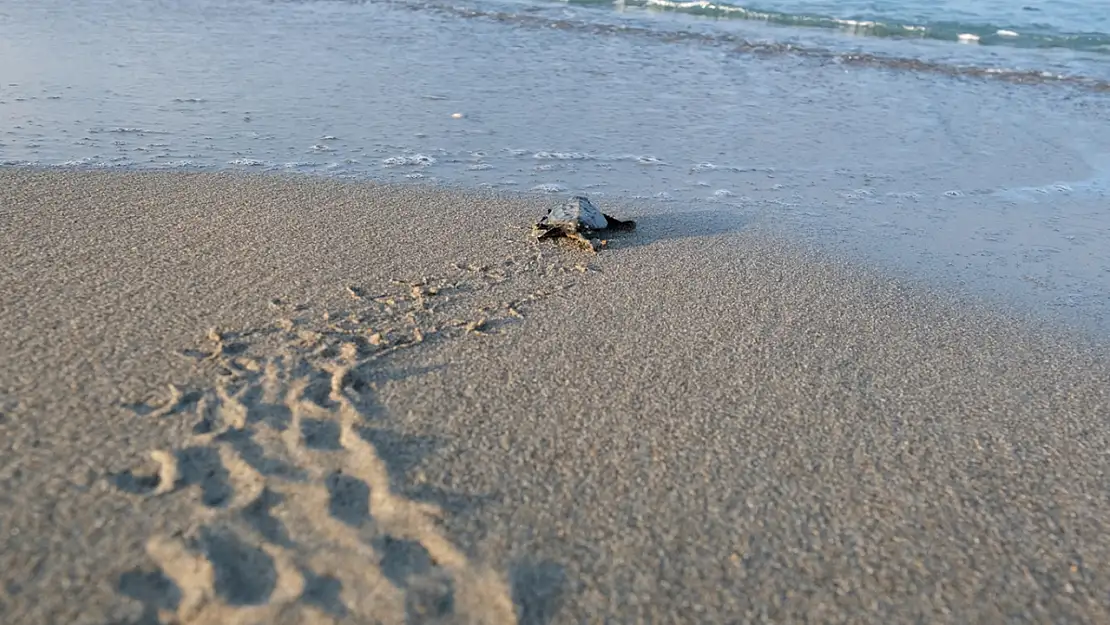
(575, 219)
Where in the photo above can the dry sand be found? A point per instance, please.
(388, 405)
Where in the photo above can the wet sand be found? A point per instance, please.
(233, 399)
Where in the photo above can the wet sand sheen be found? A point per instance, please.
(387, 404)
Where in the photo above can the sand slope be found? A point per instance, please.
(242, 399)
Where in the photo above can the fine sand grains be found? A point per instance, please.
(252, 399)
(295, 517)
(265, 498)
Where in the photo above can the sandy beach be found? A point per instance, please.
(256, 399)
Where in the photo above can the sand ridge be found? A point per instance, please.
(297, 519)
(94, 262)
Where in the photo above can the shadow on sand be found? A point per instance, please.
(663, 226)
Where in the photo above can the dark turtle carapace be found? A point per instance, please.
(576, 219)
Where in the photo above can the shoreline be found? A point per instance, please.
(710, 220)
(701, 419)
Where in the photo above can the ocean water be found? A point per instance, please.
(966, 143)
(1024, 41)
(1075, 25)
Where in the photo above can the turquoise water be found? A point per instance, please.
(1069, 39)
(1061, 24)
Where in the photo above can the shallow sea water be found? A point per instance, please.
(989, 182)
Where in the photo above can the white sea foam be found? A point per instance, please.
(549, 187)
(247, 162)
(413, 160)
(904, 195)
(565, 156)
(179, 164)
(126, 130)
(89, 162)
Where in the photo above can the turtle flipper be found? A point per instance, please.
(544, 231)
(619, 224)
(582, 240)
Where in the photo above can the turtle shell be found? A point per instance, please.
(577, 213)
